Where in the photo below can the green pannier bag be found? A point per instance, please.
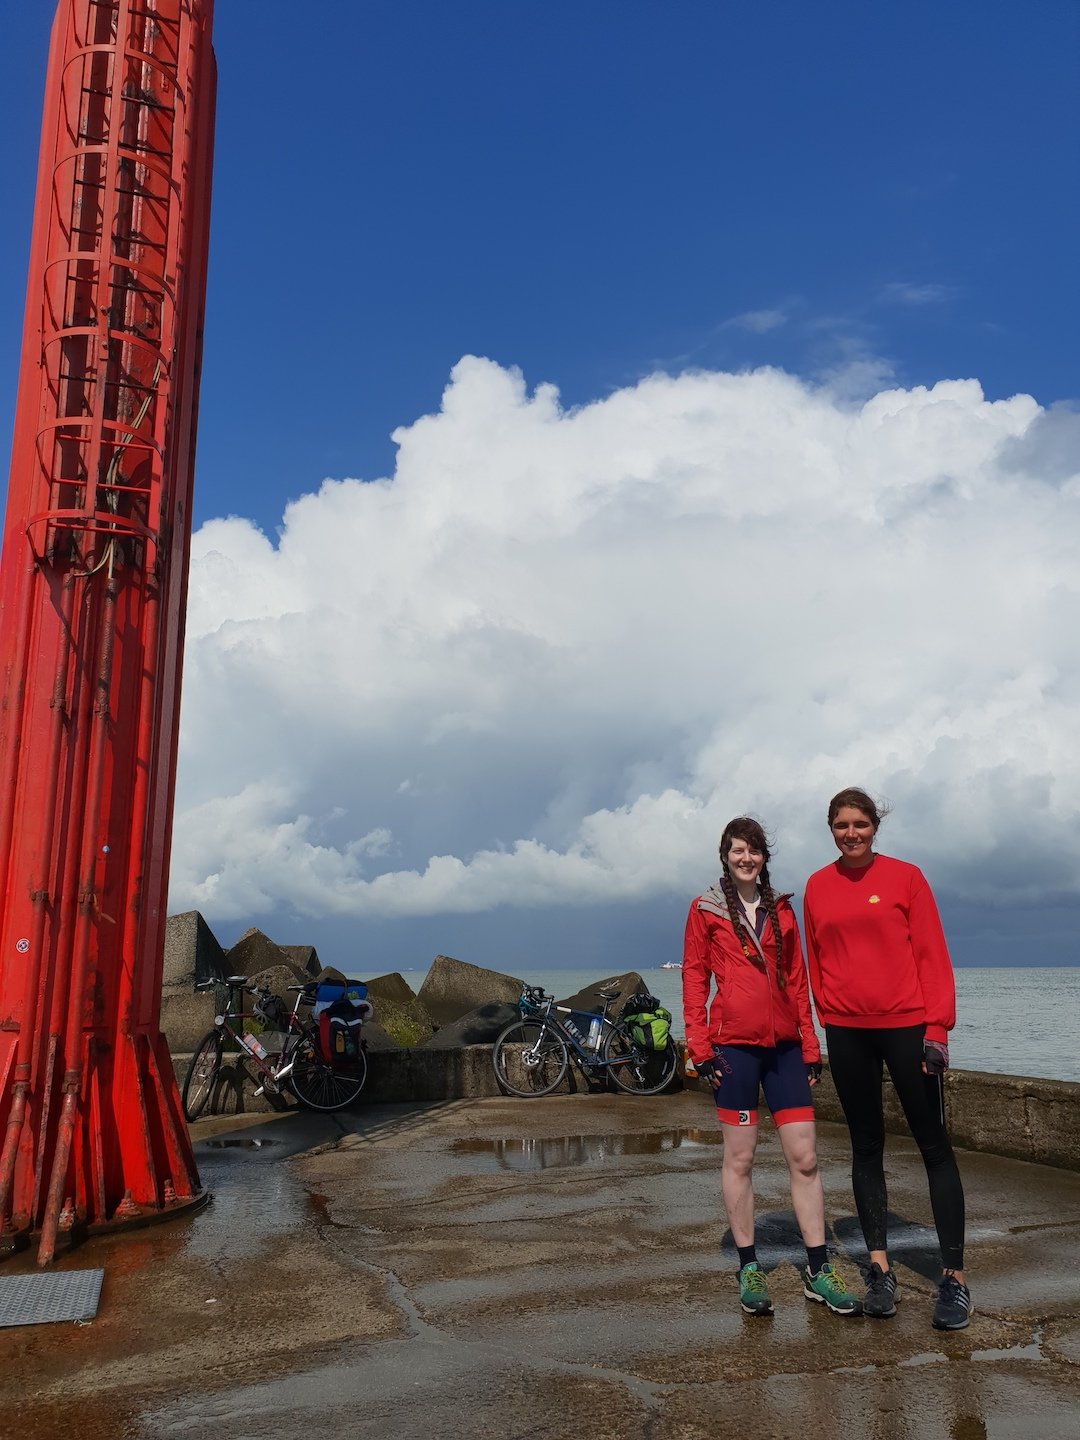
(651, 1027)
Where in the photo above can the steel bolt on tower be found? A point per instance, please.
(92, 592)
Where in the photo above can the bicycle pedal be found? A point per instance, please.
(259, 1091)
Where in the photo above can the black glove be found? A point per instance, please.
(935, 1054)
(813, 1071)
(715, 1068)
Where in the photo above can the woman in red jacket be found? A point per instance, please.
(883, 985)
(757, 1034)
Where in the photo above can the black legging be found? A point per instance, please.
(855, 1060)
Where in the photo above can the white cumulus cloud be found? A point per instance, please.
(546, 661)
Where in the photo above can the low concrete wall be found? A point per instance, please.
(1012, 1115)
(1025, 1119)
(1028, 1119)
(422, 1074)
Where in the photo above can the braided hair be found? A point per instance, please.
(743, 828)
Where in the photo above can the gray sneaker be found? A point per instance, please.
(880, 1298)
(953, 1307)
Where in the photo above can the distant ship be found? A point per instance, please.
(671, 965)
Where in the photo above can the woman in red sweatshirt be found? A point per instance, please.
(757, 1034)
(883, 986)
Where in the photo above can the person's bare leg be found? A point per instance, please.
(737, 1182)
(799, 1143)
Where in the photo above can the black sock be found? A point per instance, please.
(747, 1253)
(815, 1258)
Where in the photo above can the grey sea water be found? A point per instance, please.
(1010, 1021)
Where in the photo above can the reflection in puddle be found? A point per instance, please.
(239, 1142)
(1012, 1352)
(564, 1150)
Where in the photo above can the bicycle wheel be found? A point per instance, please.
(319, 1086)
(202, 1072)
(635, 1069)
(530, 1058)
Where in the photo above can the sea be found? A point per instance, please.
(1010, 1021)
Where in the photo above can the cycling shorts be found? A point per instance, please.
(745, 1070)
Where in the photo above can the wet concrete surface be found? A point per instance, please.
(545, 1268)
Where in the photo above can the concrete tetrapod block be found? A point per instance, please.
(186, 1016)
(192, 953)
(303, 957)
(481, 1026)
(253, 953)
(453, 987)
(400, 1018)
(587, 999)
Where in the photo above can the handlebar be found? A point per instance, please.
(232, 984)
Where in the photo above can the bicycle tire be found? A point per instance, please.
(202, 1072)
(318, 1086)
(523, 1066)
(636, 1070)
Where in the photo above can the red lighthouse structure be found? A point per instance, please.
(92, 593)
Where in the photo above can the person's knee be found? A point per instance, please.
(738, 1164)
(938, 1154)
(805, 1167)
(802, 1160)
(868, 1149)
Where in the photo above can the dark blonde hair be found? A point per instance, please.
(743, 827)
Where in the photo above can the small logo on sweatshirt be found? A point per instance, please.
(875, 899)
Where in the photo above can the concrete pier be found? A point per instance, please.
(1019, 1117)
(546, 1268)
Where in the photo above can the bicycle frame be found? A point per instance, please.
(296, 1030)
(531, 1055)
(586, 1055)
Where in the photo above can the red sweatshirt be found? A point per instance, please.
(748, 1008)
(877, 954)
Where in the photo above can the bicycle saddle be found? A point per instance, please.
(236, 980)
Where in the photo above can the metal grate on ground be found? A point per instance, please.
(43, 1299)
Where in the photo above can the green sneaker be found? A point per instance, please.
(828, 1288)
(753, 1292)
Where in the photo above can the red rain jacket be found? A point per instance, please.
(748, 1007)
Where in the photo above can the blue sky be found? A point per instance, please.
(866, 197)
(592, 190)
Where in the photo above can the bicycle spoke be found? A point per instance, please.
(635, 1069)
(530, 1059)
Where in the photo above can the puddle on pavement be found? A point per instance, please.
(565, 1150)
(1031, 1351)
(239, 1142)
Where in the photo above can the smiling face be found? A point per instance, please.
(854, 831)
(744, 861)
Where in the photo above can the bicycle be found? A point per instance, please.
(532, 1054)
(299, 1066)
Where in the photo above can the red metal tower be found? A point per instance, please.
(92, 593)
